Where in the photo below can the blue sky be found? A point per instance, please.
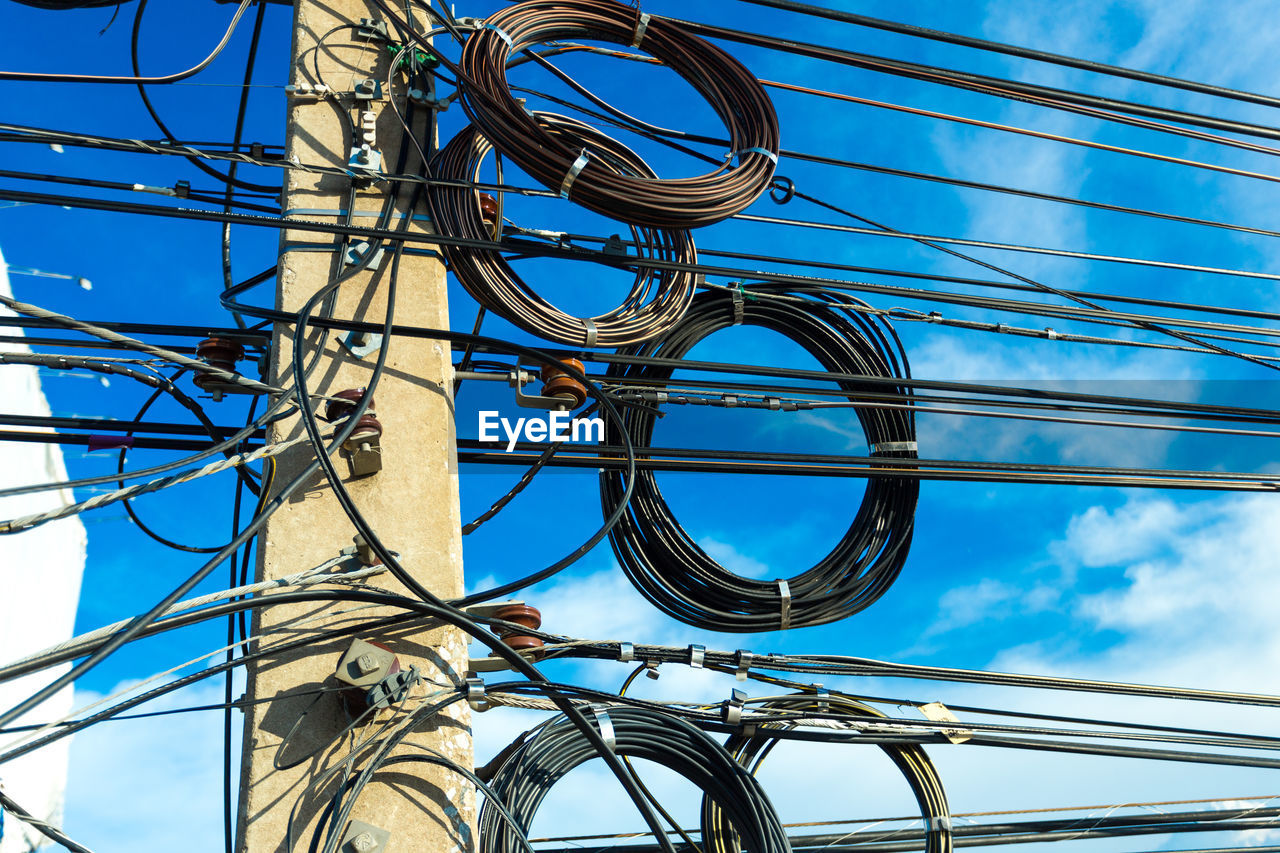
(1156, 587)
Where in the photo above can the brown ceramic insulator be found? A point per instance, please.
(345, 403)
(220, 353)
(557, 383)
(488, 208)
(367, 427)
(521, 614)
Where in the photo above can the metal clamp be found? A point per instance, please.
(895, 447)
(626, 652)
(731, 708)
(697, 654)
(591, 332)
(822, 694)
(574, 170)
(642, 24)
(606, 727)
(738, 304)
(784, 594)
(476, 696)
(744, 664)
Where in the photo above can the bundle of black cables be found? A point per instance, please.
(732, 91)
(525, 778)
(657, 298)
(910, 759)
(663, 561)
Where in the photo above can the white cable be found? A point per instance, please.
(27, 522)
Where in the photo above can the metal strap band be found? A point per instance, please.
(626, 652)
(940, 823)
(738, 303)
(641, 25)
(606, 728)
(476, 696)
(744, 664)
(696, 655)
(502, 35)
(894, 447)
(821, 694)
(784, 592)
(591, 331)
(732, 708)
(755, 150)
(578, 166)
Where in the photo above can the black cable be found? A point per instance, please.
(230, 179)
(529, 773)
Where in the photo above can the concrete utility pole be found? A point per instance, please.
(412, 502)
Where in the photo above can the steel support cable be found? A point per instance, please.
(674, 573)
(1020, 52)
(842, 665)
(308, 225)
(911, 760)
(44, 827)
(151, 379)
(1000, 87)
(527, 776)
(656, 299)
(729, 88)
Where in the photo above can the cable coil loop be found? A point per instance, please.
(731, 90)
(525, 778)
(664, 562)
(657, 299)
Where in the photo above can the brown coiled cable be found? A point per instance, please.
(728, 87)
(657, 299)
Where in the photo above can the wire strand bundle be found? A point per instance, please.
(727, 86)
(665, 564)
(911, 759)
(657, 299)
(526, 777)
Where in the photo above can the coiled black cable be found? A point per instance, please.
(526, 777)
(658, 298)
(910, 759)
(662, 560)
(729, 88)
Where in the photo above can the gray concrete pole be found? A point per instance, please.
(412, 502)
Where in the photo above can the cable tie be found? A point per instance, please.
(737, 296)
(626, 652)
(591, 331)
(744, 664)
(476, 696)
(696, 655)
(755, 149)
(578, 166)
(502, 35)
(895, 447)
(606, 727)
(784, 593)
(642, 24)
(731, 708)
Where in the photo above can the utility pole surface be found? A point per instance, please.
(412, 502)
